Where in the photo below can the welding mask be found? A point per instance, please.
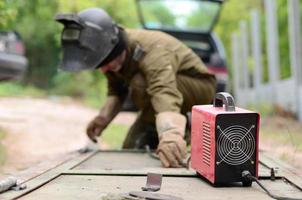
(88, 39)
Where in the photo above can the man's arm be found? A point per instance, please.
(166, 100)
(117, 91)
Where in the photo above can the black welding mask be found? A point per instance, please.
(88, 39)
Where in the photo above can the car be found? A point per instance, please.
(192, 22)
(13, 63)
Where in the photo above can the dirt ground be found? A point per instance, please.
(43, 129)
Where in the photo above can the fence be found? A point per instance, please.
(248, 86)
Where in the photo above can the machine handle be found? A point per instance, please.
(226, 99)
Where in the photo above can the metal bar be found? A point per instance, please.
(272, 46)
(294, 21)
(244, 62)
(245, 53)
(179, 172)
(256, 52)
(46, 177)
(236, 67)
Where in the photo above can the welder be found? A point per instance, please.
(162, 75)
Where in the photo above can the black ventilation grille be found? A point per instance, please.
(206, 143)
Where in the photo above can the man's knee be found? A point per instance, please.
(195, 91)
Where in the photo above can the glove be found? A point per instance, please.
(96, 127)
(172, 147)
(172, 150)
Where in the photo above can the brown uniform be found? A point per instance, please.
(167, 76)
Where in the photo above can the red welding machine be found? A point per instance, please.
(224, 141)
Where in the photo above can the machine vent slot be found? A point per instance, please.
(236, 144)
(206, 143)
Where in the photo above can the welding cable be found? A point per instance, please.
(248, 176)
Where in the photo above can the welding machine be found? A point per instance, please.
(224, 141)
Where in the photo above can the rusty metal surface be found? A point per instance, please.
(93, 175)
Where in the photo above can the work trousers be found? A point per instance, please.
(195, 91)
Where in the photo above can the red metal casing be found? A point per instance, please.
(209, 157)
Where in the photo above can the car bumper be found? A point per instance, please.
(12, 66)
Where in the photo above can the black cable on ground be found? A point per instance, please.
(248, 176)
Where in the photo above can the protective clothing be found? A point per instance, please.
(166, 77)
(172, 79)
(110, 109)
(171, 149)
(166, 62)
(88, 39)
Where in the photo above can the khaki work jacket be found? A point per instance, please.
(162, 59)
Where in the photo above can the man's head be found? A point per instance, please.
(90, 39)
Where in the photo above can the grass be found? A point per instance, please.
(114, 135)
(283, 135)
(17, 89)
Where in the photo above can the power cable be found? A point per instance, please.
(246, 175)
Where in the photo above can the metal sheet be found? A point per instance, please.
(92, 175)
(71, 187)
(131, 163)
(117, 160)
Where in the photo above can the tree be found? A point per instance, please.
(8, 14)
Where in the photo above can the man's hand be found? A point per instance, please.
(96, 127)
(172, 150)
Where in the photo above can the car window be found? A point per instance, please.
(197, 44)
(184, 15)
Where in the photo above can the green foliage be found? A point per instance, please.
(41, 34)
(236, 10)
(122, 11)
(285, 69)
(8, 14)
(36, 25)
(203, 16)
(156, 14)
(87, 86)
(18, 89)
(232, 13)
